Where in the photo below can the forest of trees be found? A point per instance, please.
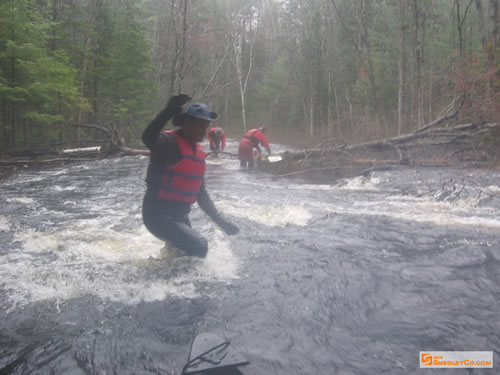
(347, 69)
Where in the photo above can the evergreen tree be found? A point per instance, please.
(38, 89)
(125, 88)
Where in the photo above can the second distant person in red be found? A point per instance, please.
(217, 139)
(251, 140)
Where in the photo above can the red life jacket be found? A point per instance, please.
(181, 182)
(250, 135)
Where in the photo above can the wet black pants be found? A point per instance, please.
(243, 164)
(176, 231)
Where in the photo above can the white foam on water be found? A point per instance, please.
(36, 242)
(4, 224)
(59, 282)
(271, 215)
(355, 184)
(30, 178)
(303, 187)
(91, 258)
(24, 177)
(220, 262)
(359, 183)
(494, 189)
(66, 188)
(424, 210)
(22, 200)
(216, 161)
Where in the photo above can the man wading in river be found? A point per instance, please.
(251, 140)
(175, 177)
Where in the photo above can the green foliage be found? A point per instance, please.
(316, 64)
(40, 85)
(124, 65)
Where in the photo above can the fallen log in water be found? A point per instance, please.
(69, 151)
(466, 144)
(81, 150)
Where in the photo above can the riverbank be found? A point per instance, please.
(465, 145)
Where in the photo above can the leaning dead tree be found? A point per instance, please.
(433, 144)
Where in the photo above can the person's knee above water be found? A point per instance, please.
(175, 178)
(217, 140)
(252, 139)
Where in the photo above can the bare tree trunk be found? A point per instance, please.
(459, 30)
(339, 123)
(317, 78)
(175, 60)
(332, 89)
(402, 68)
(52, 43)
(159, 73)
(12, 82)
(183, 46)
(238, 40)
(226, 108)
(5, 121)
(243, 113)
(362, 46)
(489, 44)
(460, 26)
(364, 41)
(431, 82)
(306, 115)
(431, 66)
(482, 31)
(83, 72)
(418, 65)
(493, 12)
(329, 108)
(351, 117)
(311, 108)
(25, 133)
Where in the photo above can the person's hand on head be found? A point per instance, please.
(176, 102)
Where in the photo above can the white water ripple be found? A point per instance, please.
(92, 259)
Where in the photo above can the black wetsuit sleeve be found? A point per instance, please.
(206, 203)
(150, 136)
(163, 147)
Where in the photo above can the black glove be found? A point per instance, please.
(176, 102)
(227, 226)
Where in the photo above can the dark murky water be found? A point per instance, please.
(353, 278)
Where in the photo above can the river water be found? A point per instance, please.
(352, 278)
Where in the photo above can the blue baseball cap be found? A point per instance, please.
(200, 110)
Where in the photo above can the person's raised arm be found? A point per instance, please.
(173, 108)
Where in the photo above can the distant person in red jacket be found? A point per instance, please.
(251, 140)
(217, 139)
